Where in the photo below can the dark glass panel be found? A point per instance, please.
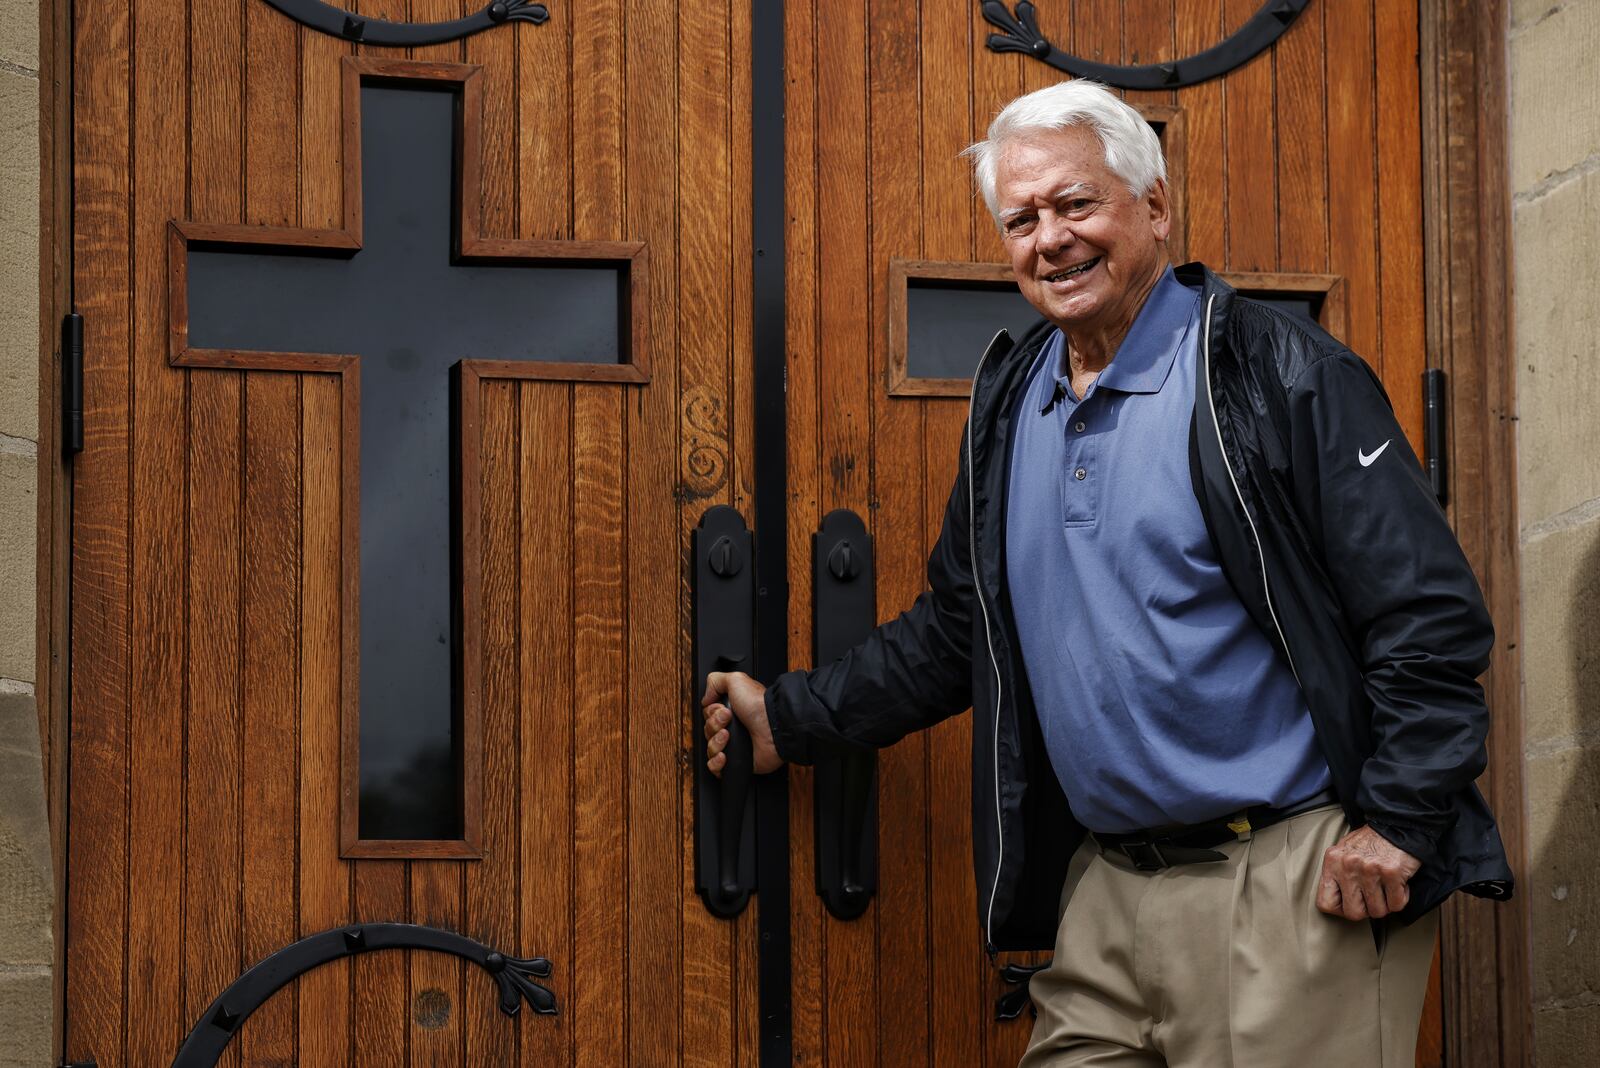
(950, 323)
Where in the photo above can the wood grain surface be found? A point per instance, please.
(216, 547)
(1288, 172)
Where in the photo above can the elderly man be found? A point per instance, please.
(1218, 637)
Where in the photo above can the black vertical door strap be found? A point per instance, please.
(771, 519)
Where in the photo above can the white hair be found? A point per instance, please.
(1133, 152)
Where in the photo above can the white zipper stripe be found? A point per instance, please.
(1211, 402)
(988, 636)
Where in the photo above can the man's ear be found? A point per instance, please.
(1160, 209)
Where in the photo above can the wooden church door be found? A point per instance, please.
(411, 363)
(1294, 155)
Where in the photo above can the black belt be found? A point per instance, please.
(1164, 847)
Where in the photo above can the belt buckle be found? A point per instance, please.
(1146, 855)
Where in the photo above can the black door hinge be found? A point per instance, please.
(72, 384)
(1434, 431)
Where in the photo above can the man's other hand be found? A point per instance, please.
(1364, 876)
(749, 702)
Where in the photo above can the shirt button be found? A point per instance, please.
(1078, 426)
(1080, 474)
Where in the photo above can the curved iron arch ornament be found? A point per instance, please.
(222, 1018)
(337, 22)
(1021, 34)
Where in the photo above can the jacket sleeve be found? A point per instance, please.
(1413, 606)
(909, 673)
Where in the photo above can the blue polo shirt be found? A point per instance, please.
(1160, 700)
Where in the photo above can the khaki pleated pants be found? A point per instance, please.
(1227, 964)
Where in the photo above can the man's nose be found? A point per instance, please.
(1054, 233)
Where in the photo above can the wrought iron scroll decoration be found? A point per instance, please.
(223, 1017)
(339, 23)
(1020, 33)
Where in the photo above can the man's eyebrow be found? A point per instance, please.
(1072, 190)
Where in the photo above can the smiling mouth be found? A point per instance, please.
(1072, 272)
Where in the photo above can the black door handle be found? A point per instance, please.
(845, 795)
(724, 622)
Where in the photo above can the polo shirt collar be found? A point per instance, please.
(1146, 355)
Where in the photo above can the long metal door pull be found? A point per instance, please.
(724, 623)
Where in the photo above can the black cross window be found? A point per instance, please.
(412, 291)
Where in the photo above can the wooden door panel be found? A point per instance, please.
(210, 633)
(1303, 161)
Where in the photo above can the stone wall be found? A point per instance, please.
(26, 895)
(1555, 180)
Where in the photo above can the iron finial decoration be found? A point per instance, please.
(1019, 32)
(340, 23)
(222, 1018)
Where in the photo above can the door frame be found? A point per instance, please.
(1488, 981)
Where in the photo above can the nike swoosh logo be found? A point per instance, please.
(1366, 460)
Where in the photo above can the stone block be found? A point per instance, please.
(25, 1000)
(19, 253)
(1563, 884)
(1527, 13)
(19, 33)
(1557, 270)
(1561, 636)
(26, 877)
(1554, 83)
(1566, 1036)
(19, 519)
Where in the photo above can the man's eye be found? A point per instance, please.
(1018, 223)
(1079, 204)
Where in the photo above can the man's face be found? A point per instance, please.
(1084, 249)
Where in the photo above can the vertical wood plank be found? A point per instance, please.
(324, 1034)
(656, 652)
(378, 1018)
(216, 90)
(1148, 32)
(948, 191)
(155, 862)
(955, 970)
(270, 697)
(324, 879)
(802, 254)
(550, 731)
(213, 849)
(1251, 153)
(437, 979)
(894, 515)
(212, 854)
(845, 272)
(597, 119)
(600, 834)
(545, 131)
(270, 704)
(1352, 185)
(1303, 142)
(1399, 154)
(997, 78)
(705, 328)
(493, 885)
(1198, 27)
(599, 795)
(271, 131)
(97, 804)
